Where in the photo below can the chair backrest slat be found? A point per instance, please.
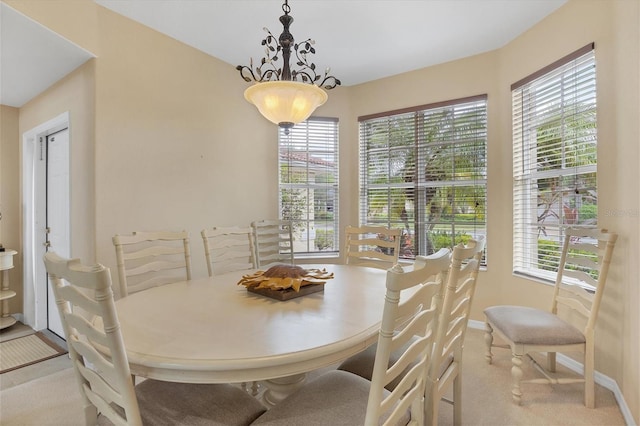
(228, 249)
(372, 246)
(148, 259)
(273, 242)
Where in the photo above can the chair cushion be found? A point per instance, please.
(525, 325)
(335, 398)
(362, 364)
(167, 403)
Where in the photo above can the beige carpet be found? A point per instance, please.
(27, 350)
(55, 400)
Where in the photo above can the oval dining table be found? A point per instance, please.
(211, 330)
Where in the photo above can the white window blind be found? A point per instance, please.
(554, 160)
(308, 184)
(423, 170)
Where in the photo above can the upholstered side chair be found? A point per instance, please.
(228, 249)
(373, 246)
(342, 398)
(273, 242)
(446, 369)
(149, 259)
(569, 324)
(86, 305)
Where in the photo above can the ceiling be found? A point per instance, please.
(360, 40)
(32, 57)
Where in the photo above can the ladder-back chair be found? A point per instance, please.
(342, 398)
(580, 282)
(86, 305)
(273, 242)
(446, 368)
(373, 246)
(228, 249)
(150, 259)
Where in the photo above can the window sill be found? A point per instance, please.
(530, 277)
(318, 258)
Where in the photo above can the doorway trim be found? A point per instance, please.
(35, 296)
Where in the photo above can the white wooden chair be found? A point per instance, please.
(362, 363)
(85, 298)
(150, 259)
(228, 249)
(580, 282)
(455, 301)
(373, 246)
(446, 368)
(342, 398)
(273, 242)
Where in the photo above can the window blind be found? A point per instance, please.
(423, 170)
(554, 160)
(308, 184)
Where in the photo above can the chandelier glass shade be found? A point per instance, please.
(285, 103)
(282, 95)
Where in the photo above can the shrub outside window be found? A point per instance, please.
(423, 170)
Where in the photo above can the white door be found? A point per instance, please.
(57, 212)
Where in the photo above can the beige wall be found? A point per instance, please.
(75, 94)
(10, 198)
(177, 147)
(613, 26)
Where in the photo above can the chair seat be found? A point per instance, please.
(335, 398)
(167, 403)
(525, 325)
(361, 363)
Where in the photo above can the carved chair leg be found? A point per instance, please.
(589, 385)
(488, 341)
(255, 387)
(516, 375)
(434, 406)
(90, 414)
(551, 362)
(457, 400)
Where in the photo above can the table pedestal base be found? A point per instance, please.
(281, 387)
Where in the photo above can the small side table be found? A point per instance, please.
(6, 263)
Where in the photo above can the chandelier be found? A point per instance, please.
(282, 95)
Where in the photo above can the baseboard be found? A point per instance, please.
(575, 366)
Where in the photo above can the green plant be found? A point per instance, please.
(324, 239)
(548, 255)
(443, 239)
(587, 212)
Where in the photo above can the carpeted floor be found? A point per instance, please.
(54, 399)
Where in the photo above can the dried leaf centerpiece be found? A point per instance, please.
(282, 277)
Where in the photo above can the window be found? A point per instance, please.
(308, 164)
(554, 160)
(423, 170)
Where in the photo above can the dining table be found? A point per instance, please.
(212, 330)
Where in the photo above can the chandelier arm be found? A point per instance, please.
(305, 76)
(329, 82)
(245, 69)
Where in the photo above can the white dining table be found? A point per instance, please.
(211, 330)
